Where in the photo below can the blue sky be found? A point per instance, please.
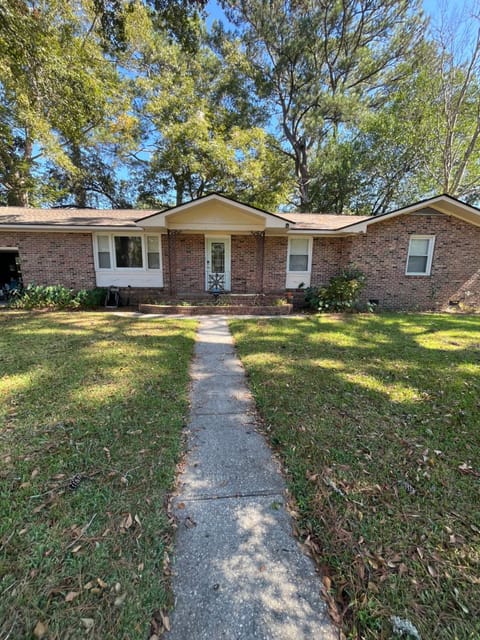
(432, 8)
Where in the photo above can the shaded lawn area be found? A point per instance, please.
(377, 421)
(106, 398)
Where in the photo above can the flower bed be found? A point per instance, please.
(195, 310)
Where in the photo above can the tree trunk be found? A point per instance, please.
(18, 193)
(79, 190)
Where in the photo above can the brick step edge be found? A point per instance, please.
(234, 310)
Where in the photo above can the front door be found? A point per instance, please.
(217, 268)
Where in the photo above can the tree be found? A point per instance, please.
(451, 162)
(320, 64)
(59, 93)
(200, 127)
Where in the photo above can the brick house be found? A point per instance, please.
(424, 256)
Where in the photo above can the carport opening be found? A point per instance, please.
(10, 272)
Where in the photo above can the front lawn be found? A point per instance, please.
(377, 421)
(102, 398)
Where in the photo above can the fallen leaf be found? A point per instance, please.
(141, 566)
(40, 630)
(71, 595)
(431, 571)
(88, 586)
(327, 583)
(119, 600)
(181, 505)
(101, 583)
(88, 623)
(137, 520)
(34, 473)
(262, 567)
(166, 621)
(77, 548)
(39, 508)
(189, 523)
(127, 522)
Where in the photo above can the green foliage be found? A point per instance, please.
(202, 126)
(56, 297)
(341, 294)
(91, 298)
(318, 80)
(319, 105)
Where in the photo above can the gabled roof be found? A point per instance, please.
(292, 223)
(444, 203)
(271, 220)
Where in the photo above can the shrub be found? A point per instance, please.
(91, 298)
(39, 297)
(341, 294)
(56, 297)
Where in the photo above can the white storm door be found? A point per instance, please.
(217, 263)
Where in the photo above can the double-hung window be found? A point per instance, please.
(128, 252)
(299, 262)
(103, 252)
(420, 254)
(299, 254)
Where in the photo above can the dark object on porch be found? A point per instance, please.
(216, 285)
(112, 299)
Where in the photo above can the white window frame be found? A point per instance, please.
(296, 278)
(431, 246)
(113, 257)
(310, 244)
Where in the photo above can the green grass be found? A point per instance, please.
(363, 409)
(104, 397)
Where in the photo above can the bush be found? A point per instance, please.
(341, 294)
(56, 297)
(91, 298)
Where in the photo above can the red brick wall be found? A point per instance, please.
(382, 255)
(275, 264)
(54, 258)
(189, 268)
(244, 264)
(328, 258)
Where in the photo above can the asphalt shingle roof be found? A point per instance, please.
(127, 217)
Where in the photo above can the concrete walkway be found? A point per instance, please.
(239, 574)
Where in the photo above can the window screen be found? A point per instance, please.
(153, 252)
(298, 257)
(103, 244)
(419, 255)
